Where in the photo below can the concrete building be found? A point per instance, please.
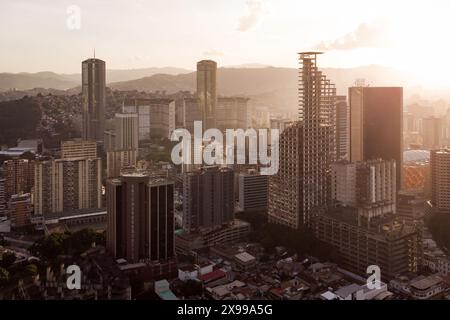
(207, 92)
(156, 117)
(20, 209)
(440, 177)
(232, 113)
(3, 202)
(253, 189)
(19, 175)
(208, 195)
(67, 185)
(392, 245)
(306, 150)
(127, 131)
(368, 186)
(93, 93)
(116, 160)
(78, 149)
(376, 125)
(140, 218)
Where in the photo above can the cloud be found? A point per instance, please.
(365, 36)
(256, 9)
(213, 53)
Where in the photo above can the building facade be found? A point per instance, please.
(253, 189)
(208, 198)
(207, 92)
(93, 92)
(440, 180)
(140, 218)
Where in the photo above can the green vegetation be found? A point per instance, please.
(49, 247)
(18, 119)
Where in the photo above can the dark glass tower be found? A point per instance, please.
(93, 85)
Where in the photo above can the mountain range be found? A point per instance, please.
(263, 84)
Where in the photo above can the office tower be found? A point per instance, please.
(367, 186)
(140, 218)
(411, 205)
(20, 209)
(93, 89)
(127, 131)
(253, 189)
(116, 160)
(19, 174)
(231, 113)
(3, 201)
(208, 198)
(156, 117)
(317, 98)
(109, 140)
(440, 177)
(342, 128)
(433, 132)
(392, 245)
(206, 92)
(285, 187)
(67, 185)
(78, 149)
(376, 125)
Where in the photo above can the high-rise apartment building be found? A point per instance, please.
(208, 198)
(3, 202)
(140, 218)
(376, 125)
(78, 149)
(206, 92)
(127, 131)
(440, 180)
(253, 188)
(367, 186)
(342, 128)
(20, 209)
(93, 88)
(19, 175)
(156, 117)
(67, 185)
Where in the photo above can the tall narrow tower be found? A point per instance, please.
(317, 99)
(206, 92)
(93, 99)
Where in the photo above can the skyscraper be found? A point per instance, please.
(317, 98)
(208, 195)
(376, 125)
(93, 88)
(140, 218)
(307, 147)
(440, 177)
(433, 132)
(206, 92)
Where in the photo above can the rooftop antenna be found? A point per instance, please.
(94, 53)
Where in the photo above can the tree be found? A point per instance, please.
(8, 258)
(31, 270)
(4, 276)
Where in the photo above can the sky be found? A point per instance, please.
(44, 35)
